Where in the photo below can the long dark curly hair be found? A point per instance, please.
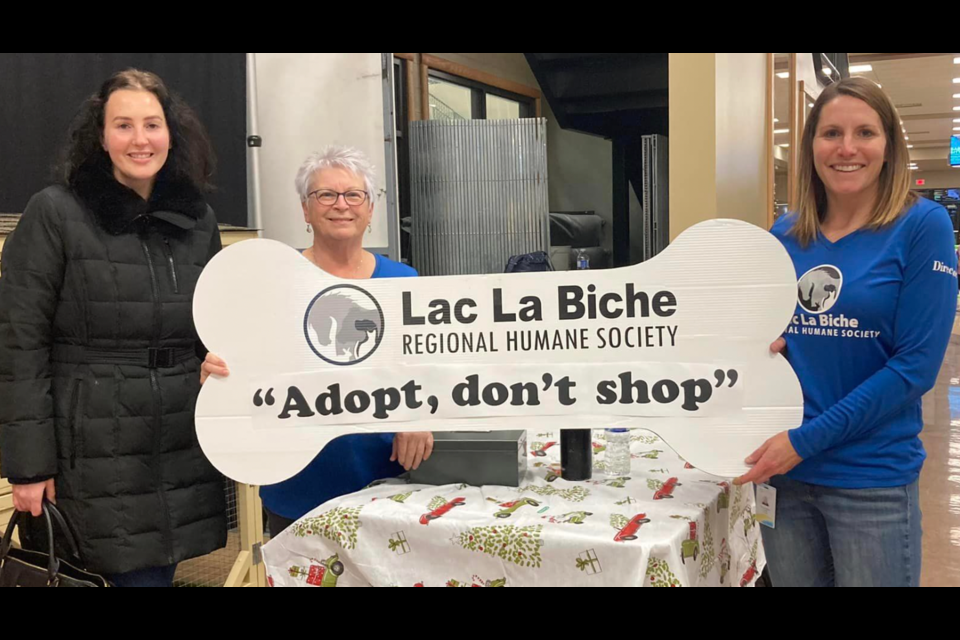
(191, 157)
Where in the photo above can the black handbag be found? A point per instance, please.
(23, 568)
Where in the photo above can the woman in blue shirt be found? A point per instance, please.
(877, 283)
(336, 188)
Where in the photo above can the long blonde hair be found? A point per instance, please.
(894, 195)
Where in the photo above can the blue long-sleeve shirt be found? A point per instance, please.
(874, 316)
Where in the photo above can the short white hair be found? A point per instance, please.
(341, 157)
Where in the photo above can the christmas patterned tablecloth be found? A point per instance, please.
(665, 525)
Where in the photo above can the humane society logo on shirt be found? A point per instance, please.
(819, 291)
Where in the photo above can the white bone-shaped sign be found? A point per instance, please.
(678, 345)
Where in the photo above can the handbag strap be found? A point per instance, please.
(64, 527)
(7, 541)
(53, 565)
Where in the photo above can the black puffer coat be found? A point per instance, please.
(99, 368)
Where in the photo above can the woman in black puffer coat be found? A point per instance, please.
(99, 358)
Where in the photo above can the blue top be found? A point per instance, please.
(346, 464)
(874, 318)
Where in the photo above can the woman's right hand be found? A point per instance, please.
(778, 346)
(29, 497)
(213, 366)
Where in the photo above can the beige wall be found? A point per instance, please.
(305, 101)
(937, 179)
(741, 137)
(693, 139)
(717, 138)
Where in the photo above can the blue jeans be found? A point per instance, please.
(153, 577)
(829, 537)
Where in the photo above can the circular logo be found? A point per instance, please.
(819, 288)
(344, 325)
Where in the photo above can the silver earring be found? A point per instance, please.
(309, 228)
(369, 229)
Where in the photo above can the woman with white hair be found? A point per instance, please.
(336, 188)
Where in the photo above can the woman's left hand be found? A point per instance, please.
(776, 457)
(412, 448)
(213, 365)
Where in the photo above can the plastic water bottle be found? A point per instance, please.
(618, 452)
(583, 259)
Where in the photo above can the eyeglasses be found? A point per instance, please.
(329, 198)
